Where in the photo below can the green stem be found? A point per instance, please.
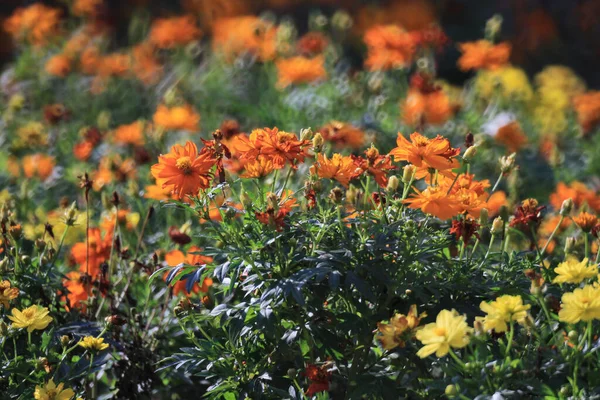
(587, 245)
(495, 185)
(455, 358)
(562, 217)
(60, 245)
(510, 338)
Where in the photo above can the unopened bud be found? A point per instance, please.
(40, 244)
(64, 340)
(573, 336)
(566, 207)
(408, 173)
(71, 214)
(470, 154)
(352, 194)
(507, 163)
(497, 226)
(451, 391)
(336, 195)
(393, 183)
(341, 20)
(306, 134)
(317, 142)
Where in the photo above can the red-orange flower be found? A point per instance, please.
(78, 290)
(183, 170)
(168, 33)
(343, 135)
(511, 136)
(99, 252)
(312, 43)
(435, 153)
(340, 168)
(376, 165)
(279, 146)
(576, 191)
(319, 377)
(38, 165)
(483, 54)
(246, 34)
(176, 257)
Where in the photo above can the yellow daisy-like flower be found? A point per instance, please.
(92, 343)
(450, 330)
(582, 304)
(504, 309)
(7, 293)
(32, 318)
(573, 271)
(52, 392)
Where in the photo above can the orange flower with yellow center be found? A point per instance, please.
(421, 151)
(178, 117)
(278, 146)
(183, 170)
(300, 69)
(483, 54)
(340, 168)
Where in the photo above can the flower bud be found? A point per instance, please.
(573, 336)
(317, 142)
(71, 214)
(497, 226)
(64, 340)
(566, 207)
(408, 173)
(336, 195)
(341, 20)
(4, 265)
(103, 120)
(393, 183)
(469, 154)
(306, 134)
(40, 244)
(451, 391)
(493, 26)
(15, 231)
(507, 163)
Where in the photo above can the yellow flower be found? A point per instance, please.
(92, 343)
(7, 293)
(449, 330)
(32, 318)
(582, 304)
(573, 271)
(504, 309)
(392, 335)
(508, 82)
(52, 392)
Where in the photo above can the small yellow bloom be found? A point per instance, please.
(32, 318)
(92, 343)
(52, 392)
(7, 293)
(450, 330)
(582, 304)
(393, 335)
(573, 271)
(504, 309)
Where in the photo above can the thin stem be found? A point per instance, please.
(455, 358)
(60, 245)
(587, 245)
(562, 217)
(495, 185)
(510, 338)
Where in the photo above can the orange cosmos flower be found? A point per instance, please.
(35, 24)
(511, 136)
(87, 8)
(278, 146)
(90, 60)
(113, 168)
(586, 221)
(258, 168)
(376, 165)
(389, 47)
(340, 168)
(115, 64)
(157, 192)
(38, 165)
(183, 170)
(145, 66)
(300, 69)
(343, 135)
(435, 201)
(58, 65)
(132, 134)
(421, 107)
(168, 33)
(245, 35)
(482, 54)
(176, 257)
(587, 107)
(178, 117)
(78, 291)
(435, 153)
(99, 251)
(576, 191)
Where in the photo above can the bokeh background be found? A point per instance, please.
(542, 32)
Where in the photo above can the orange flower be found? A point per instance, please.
(168, 33)
(157, 192)
(58, 65)
(495, 202)
(343, 135)
(340, 168)
(83, 150)
(38, 165)
(587, 107)
(389, 47)
(77, 290)
(87, 8)
(176, 257)
(482, 54)
(90, 60)
(113, 168)
(99, 252)
(435, 153)
(576, 191)
(278, 146)
(586, 221)
(511, 136)
(258, 168)
(300, 69)
(426, 107)
(435, 201)
(183, 171)
(177, 117)
(548, 224)
(376, 165)
(132, 134)
(241, 35)
(145, 66)
(115, 64)
(35, 24)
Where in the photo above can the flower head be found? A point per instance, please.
(92, 343)
(50, 391)
(132, 134)
(389, 47)
(582, 304)
(340, 168)
(435, 201)
(35, 24)
(503, 310)
(168, 33)
(574, 271)
(450, 330)
(586, 221)
(300, 69)
(343, 135)
(7, 293)
(400, 328)
(32, 318)
(435, 153)
(178, 117)
(482, 54)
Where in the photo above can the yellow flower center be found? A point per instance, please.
(29, 314)
(184, 164)
(439, 331)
